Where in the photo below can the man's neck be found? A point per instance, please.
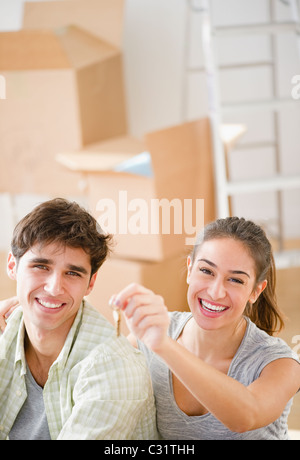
(41, 351)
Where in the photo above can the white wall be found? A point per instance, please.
(154, 57)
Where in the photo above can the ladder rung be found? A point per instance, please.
(287, 259)
(274, 183)
(281, 27)
(273, 104)
(233, 66)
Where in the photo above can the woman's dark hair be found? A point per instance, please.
(264, 312)
(63, 222)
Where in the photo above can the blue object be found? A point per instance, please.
(140, 165)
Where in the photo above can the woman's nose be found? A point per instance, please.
(217, 290)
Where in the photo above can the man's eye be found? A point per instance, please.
(74, 274)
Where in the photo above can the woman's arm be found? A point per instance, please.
(6, 308)
(238, 407)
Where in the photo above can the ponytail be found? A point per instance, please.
(265, 312)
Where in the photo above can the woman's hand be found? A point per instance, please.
(145, 313)
(6, 308)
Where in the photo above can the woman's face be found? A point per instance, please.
(221, 282)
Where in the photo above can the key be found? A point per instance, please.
(117, 319)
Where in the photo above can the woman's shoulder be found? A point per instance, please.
(260, 339)
(178, 320)
(259, 349)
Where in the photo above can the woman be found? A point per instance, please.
(218, 372)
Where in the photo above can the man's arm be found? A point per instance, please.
(112, 400)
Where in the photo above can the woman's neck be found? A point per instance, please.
(213, 345)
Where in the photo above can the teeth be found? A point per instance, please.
(210, 307)
(49, 305)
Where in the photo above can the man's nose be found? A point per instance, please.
(54, 284)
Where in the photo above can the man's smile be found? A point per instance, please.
(50, 304)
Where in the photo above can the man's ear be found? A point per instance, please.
(11, 267)
(91, 283)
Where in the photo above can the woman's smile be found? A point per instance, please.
(211, 309)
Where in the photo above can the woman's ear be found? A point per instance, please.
(257, 291)
(189, 269)
(11, 267)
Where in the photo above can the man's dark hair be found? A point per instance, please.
(63, 222)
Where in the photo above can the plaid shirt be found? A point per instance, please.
(98, 387)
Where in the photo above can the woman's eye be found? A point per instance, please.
(236, 280)
(206, 271)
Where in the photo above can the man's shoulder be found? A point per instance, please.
(104, 335)
(90, 314)
(97, 331)
(104, 350)
(94, 327)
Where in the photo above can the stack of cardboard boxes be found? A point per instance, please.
(64, 90)
(65, 101)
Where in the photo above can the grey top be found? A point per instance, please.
(31, 422)
(257, 349)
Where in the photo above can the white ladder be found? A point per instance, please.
(224, 187)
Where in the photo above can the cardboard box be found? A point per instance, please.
(102, 18)
(64, 89)
(153, 216)
(167, 278)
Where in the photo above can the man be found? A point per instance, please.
(64, 373)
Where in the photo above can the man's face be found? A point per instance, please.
(51, 283)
